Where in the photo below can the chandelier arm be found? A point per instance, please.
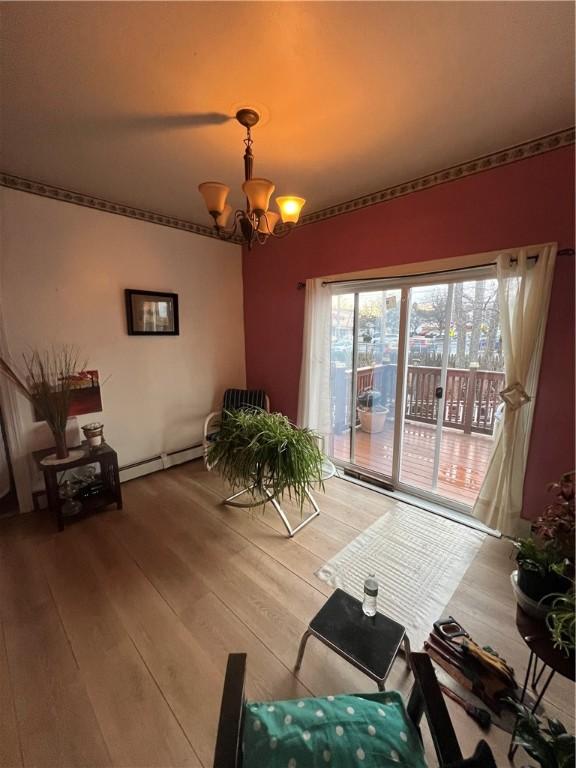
(228, 234)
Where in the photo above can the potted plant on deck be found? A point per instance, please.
(546, 558)
(263, 451)
(371, 413)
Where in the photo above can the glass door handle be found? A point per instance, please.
(439, 393)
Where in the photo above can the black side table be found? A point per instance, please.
(369, 643)
(105, 456)
(537, 637)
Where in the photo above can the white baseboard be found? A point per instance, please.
(157, 463)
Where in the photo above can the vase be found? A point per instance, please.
(60, 442)
(94, 434)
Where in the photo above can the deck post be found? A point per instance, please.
(470, 397)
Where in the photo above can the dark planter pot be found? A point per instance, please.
(536, 586)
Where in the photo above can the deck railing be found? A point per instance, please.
(472, 396)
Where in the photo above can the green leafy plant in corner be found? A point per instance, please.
(264, 451)
(561, 621)
(540, 556)
(551, 746)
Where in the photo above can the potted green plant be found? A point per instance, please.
(264, 452)
(541, 569)
(546, 558)
(371, 413)
(551, 746)
(47, 383)
(561, 620)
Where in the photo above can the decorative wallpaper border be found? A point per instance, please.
(503, 157)
(89, 201)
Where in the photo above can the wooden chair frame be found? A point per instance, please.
(425, 699)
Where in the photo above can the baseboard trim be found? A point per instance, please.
(160, 462)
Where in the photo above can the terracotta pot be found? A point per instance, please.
(60, 442)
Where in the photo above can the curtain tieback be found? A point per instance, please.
(515, 396)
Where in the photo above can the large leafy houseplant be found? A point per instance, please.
(47, 382)
(264, 452)
(551, 746)
(546, 558)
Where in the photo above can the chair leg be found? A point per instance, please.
(301, 650)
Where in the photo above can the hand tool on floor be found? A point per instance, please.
(479, 715)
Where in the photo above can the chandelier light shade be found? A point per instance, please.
(290, 208)
(214, 195)
(257, 223)
(267, 223)
(222, 218)
(258, 192)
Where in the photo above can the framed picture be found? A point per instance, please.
(85, 395)
(151, 313)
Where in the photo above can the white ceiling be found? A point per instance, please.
(100, 97)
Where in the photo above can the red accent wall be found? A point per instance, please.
(531, 201)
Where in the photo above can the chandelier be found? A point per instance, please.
(257, 223)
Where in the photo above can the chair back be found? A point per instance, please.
(240, 399)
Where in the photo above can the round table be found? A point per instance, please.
(537, 637)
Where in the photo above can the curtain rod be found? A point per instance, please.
(301, 285)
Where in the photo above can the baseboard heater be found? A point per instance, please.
(160, 462)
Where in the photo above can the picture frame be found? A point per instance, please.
(151, 313)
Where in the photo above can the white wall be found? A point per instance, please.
(64, 269)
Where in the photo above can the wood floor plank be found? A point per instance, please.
(209, 620)
(137, 724)
(56, 721)
(10, 751)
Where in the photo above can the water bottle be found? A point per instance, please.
(370, 596)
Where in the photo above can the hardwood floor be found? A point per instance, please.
(114, 634)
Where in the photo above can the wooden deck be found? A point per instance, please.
(463, 458)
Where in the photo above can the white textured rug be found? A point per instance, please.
(419, 559)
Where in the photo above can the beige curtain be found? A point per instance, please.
(523, 296)
(314, 393)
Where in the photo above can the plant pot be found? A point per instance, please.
(372, 420)
(535, 586)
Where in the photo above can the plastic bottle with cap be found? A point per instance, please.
(369, 603)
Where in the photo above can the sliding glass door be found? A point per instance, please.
(364, 359)
(416, 368)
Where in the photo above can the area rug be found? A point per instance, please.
(418, 558)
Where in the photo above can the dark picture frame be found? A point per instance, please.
(151, 313)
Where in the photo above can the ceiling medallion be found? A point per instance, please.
(257, 223)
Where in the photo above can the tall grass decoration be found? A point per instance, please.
(265, 452)
(47, 384)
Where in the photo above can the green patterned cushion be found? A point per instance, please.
(369, 731)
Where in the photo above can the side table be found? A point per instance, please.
(537, 637)
(369, 643)
(104, 455)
